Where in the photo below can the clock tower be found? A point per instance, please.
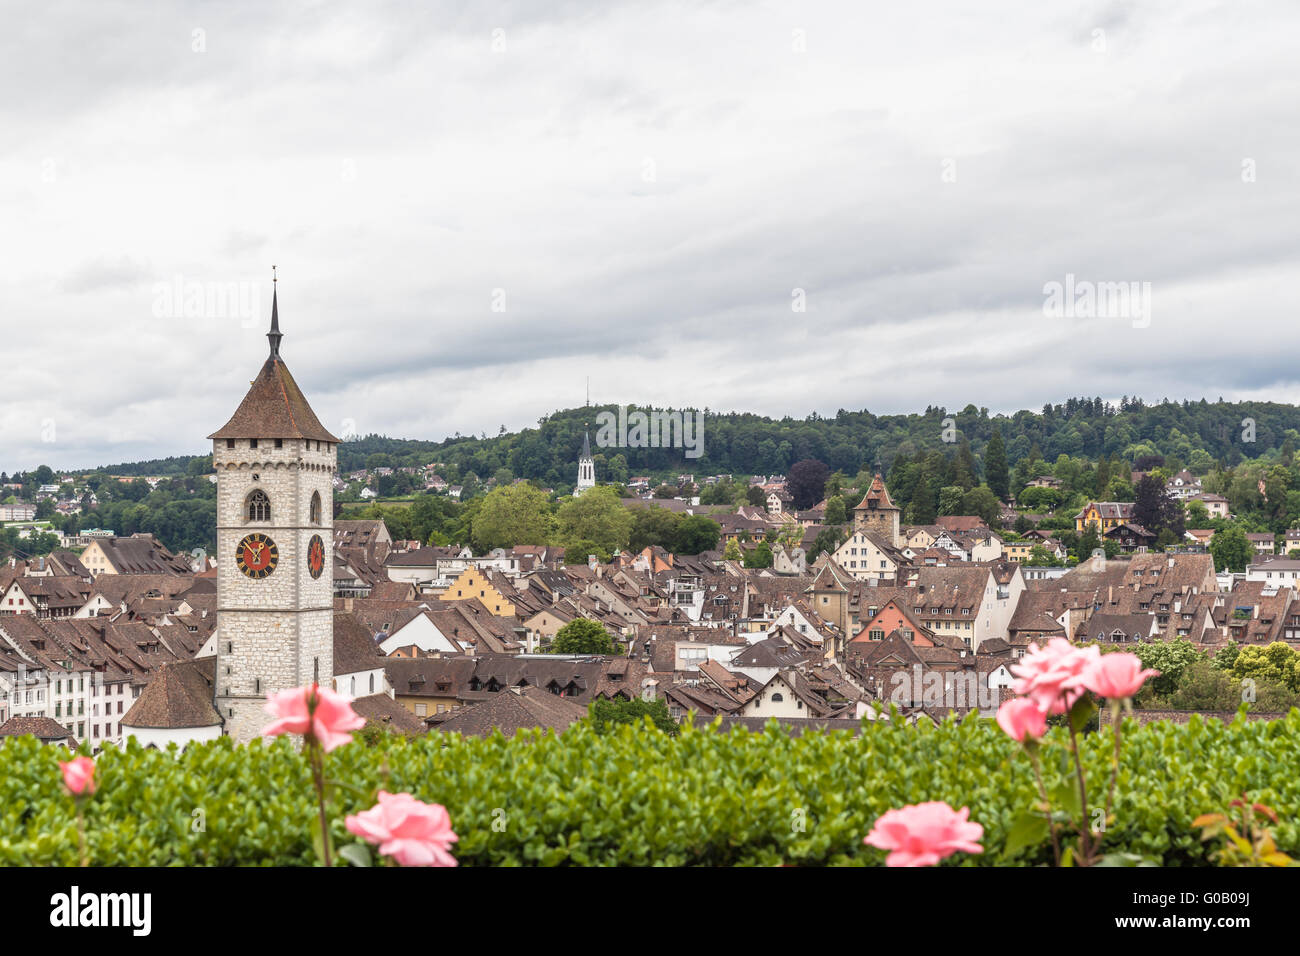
(275, 465)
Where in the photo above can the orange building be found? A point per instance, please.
(892, 618)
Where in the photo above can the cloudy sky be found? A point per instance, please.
(475, 206)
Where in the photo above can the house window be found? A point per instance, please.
(315, 508)
(777, 698)
(230, 443)
(259, 506)
(252, 443)
(279, 443)
(422, 710)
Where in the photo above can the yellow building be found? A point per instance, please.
(1103, 515)
(1019, 550)
(474, 583)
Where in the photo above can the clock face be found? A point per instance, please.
(315, 556)
(256, 555)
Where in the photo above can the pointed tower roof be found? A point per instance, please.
(274, 406)
(876, 498)
(274, 335)
(586, 447)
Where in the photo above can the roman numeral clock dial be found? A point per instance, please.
(256, 555)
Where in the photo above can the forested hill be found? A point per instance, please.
(1196, 433)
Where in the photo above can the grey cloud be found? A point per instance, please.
(398, 170)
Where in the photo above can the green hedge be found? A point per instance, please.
(639, 797)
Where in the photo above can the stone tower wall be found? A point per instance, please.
(277, 632)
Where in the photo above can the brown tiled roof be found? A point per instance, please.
(142, 554)
(876, 498)
(509, 712)
(960, 523)
(1102, 626)
(178, 696)
(274, 408)
(429, 676)
(42, 728)
(392, 591)
(355, 649)
(380, 710)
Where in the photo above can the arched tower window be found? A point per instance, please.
(315, 507)
(259, 506)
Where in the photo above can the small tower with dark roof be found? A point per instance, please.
(876, 513)
(275, 464)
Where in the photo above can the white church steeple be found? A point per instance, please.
(586, 467)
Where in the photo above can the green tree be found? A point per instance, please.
(836, 511)
(1227, 656)
(1205, 687)
(981, 501)
(598, 516)
(1089, 542)
(759, 556)
(827, 540)
(1231, 549)
(653, 527)
(950, 499)
(582, 636)
(607, 714)
(732, 550)
(995, 465)
(1171, 659)
(577, 552)
(1276, 663)
(696, 534)
(515, 514)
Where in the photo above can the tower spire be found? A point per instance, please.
(274, 335)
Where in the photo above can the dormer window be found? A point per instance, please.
(259, 506)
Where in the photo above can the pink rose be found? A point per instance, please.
(1116, 676)
(411, 832)
(1022, 718)
(315, 712)
(1052, 676)
(924, 834)
(79, 775)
